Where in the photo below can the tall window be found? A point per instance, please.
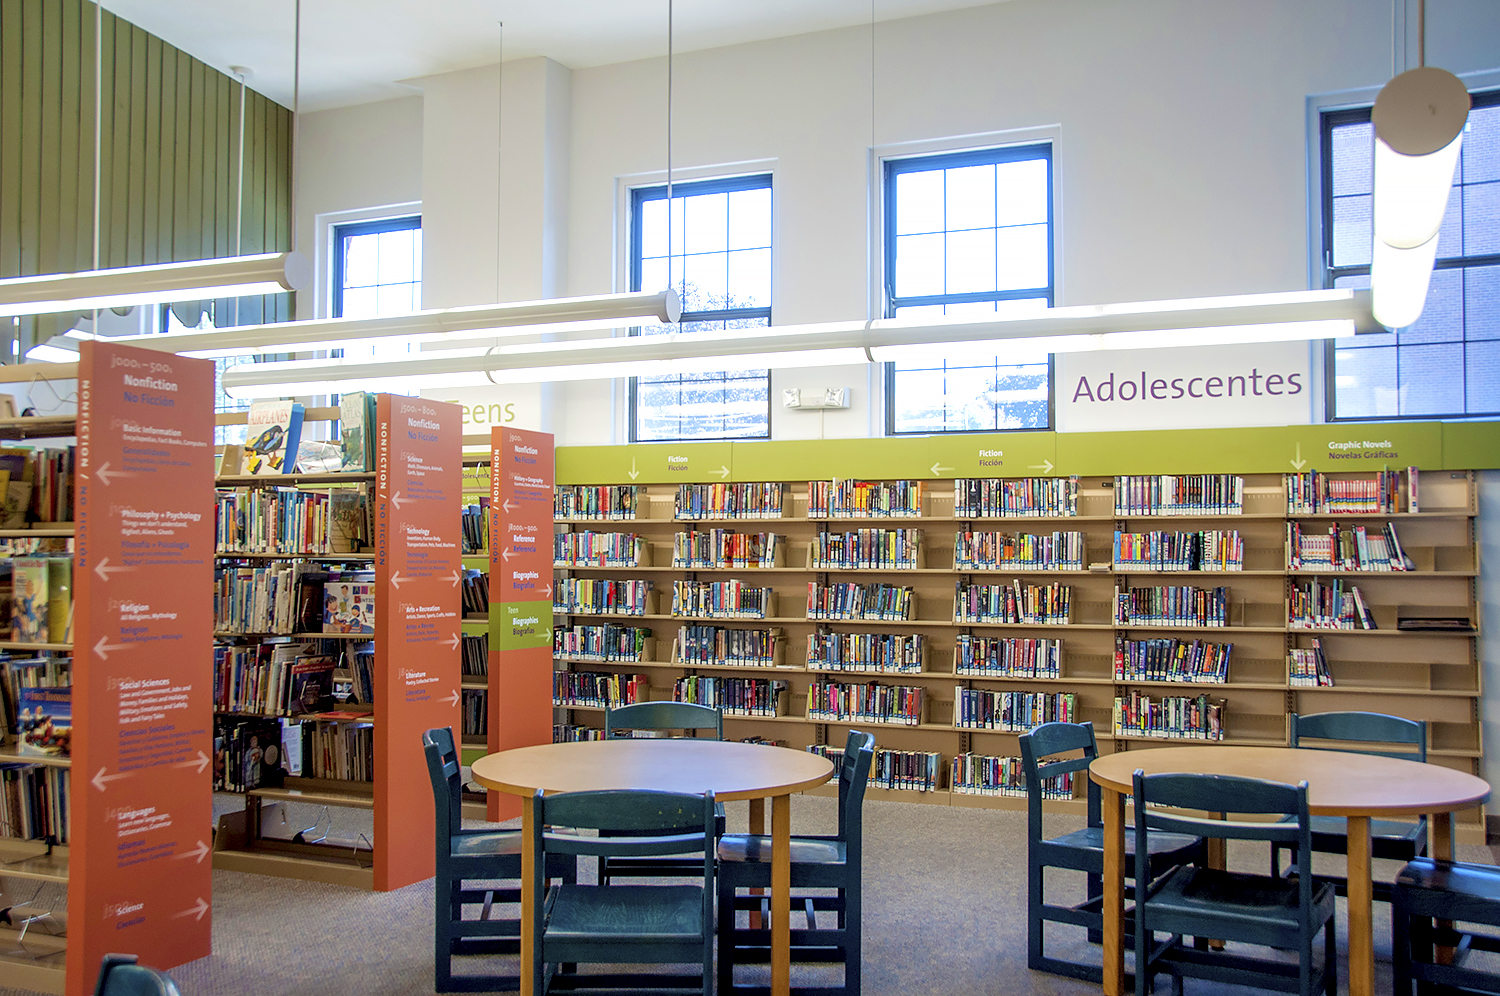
(969, 234)
(721, 266)
(1448, 362)
(377, 268)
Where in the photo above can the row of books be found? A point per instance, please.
(1170, 717)
(1314, 493)
(41, 602)
(991, 551)
(1007, 657)
(591, 549)
(599, 689)
(601, 596)
(474, 591)
(34, 803)
(705, 645)
(266, 679)
(1159, 550)
(340, 751)
(1328, 604)
(585, 501)
(300, 597)
(475, 523)
(356, 432)
(475, 708)
(731, 696)
(474, 649)
(248, 753)
(1179, 494)
(1171, 605)
(568, 733)
(900, 770)
(30, 546)
(845, 499)
(1032, 604)
(834, 701)
(1192, 662)
(722, 600)
(292, 521)
(860, 601)
(728, 501)
(1354, 548)
(984, 774)
(890, 653)
(1006, 498)
(601, 643)
(36, 485)
(33, 693)
(1016, 711)
(1307, 667)
(874, 549)
(726, 548)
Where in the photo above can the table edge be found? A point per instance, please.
(789, 788)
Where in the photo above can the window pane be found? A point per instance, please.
(1443, 316)
(1431, 381)
(1451, 234)
(1353, 159)
(1481, 210)
(360, 303)
(360, 258)
(1022, 192)
(1352, 231)
(919, 202)
(654, 229)
(393, 299)
(919, 265)
(1480, 153)
(971, 262)
(382, 268)
(1482, 302)
(750, 278)
(1022, 257)
(395, 257)
(1482, 377)
(970, 198)
(750, 219)
(1365, 383)
(706, 221)
(705, 282)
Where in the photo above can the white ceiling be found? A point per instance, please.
(354, 51)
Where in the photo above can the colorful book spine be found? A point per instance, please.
(584, 502)
(1015, 498)
(860, 601)
(993, 551)
(868, 549)
(718, 645)
(599, 690)
(1190, 662)
(1015, 711)
(591, 549)
(842, 499)
(601, 643)
(983, 774)
(1160, 550)
(1007, 657)
(729, 501)
(886, 653)
(732, 696)
(1179, 494)
(1013, 604)
(897, 705)
(722, 600)
(1171, 605)
(1171, 717)
(601, 596)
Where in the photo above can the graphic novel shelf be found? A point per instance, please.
(338, 630)
(956, 592)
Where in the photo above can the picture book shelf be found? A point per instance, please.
(948, 614)
(369, 577)
(108, 549)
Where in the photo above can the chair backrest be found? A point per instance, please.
(119, 975)
(1362, 728)
(630, 823)
(854, 775)
(1050, 740)
(444, 767)
(686, 716)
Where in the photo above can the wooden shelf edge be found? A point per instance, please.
(290, 866)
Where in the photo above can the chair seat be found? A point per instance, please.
(757, 848)
(1210, 899)
(1335, 829)
(621, 912)
(484, 845)
(1454, 890)
(1092, 839)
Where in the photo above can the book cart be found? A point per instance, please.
(374, 759)
(948, 614)
(114, 858)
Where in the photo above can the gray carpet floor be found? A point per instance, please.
(944, 913)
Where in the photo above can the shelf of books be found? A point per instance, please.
(337, 636)
(950, 614)
(106, 546)
(475, 598)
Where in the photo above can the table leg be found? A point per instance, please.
(528, 892)
(1361, 939)
(1114, 892)
(758, 829)
(781, 895)
(1440, 848)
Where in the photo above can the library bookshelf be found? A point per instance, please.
(119, 509)
(638, 580)
(410, 555)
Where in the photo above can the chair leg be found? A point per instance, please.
(1095, 886)
(442, 947)
(1400, 947)
(1034, 893)
(726, 933)
(1331, 959)
(853, 914)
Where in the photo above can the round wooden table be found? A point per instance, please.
(1356, 786)
(730, 770)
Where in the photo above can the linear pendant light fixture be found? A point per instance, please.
(1205, 321)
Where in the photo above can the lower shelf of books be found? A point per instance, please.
(312, 841)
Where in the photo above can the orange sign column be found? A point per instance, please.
(520, 665)
(143, 664)
(418, 527)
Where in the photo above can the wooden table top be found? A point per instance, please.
(1338, 783)
(729, 769)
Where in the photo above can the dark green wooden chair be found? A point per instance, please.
(119, 975)
(1358, 732)
(818, 862)
(1082, 850)
(1427, 892)
(1201, 902)
(623, 924)
(478, 855)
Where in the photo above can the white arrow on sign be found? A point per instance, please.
(508, 506)
(201, 763)
(102, 649)
(1298, 463)
(455, 577)
(453, 700)
(398, 580)
(199, 908)
(105, 473)
(723, 471)
(452, 641)
(100, 778)
(104, 572)
(1045, 466)
(199, 852)
(505, 555)
(547, 589)
(937, 471)
(633, 472)
(396, 499)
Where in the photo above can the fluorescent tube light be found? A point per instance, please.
(1419, 121)
(234, 276)
(1398, 281)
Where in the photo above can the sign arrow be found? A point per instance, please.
(547, 589)
(100, 778)
(102, 649)
(398, 580)
(455, 577)
(505, 554)
(508, 506)
(105, 473)
(396, 499)
(453, 699)
(199, 852)
(937, 471)
(199, 908)
(633, 472)
(723, 471)
(201, 763)
(1298, 463)
(452, 642)
(1045, 466)
(104, 572)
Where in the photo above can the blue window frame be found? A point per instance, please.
(720, 264)
(377, 268)
(1446, 364)
(969, 233)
